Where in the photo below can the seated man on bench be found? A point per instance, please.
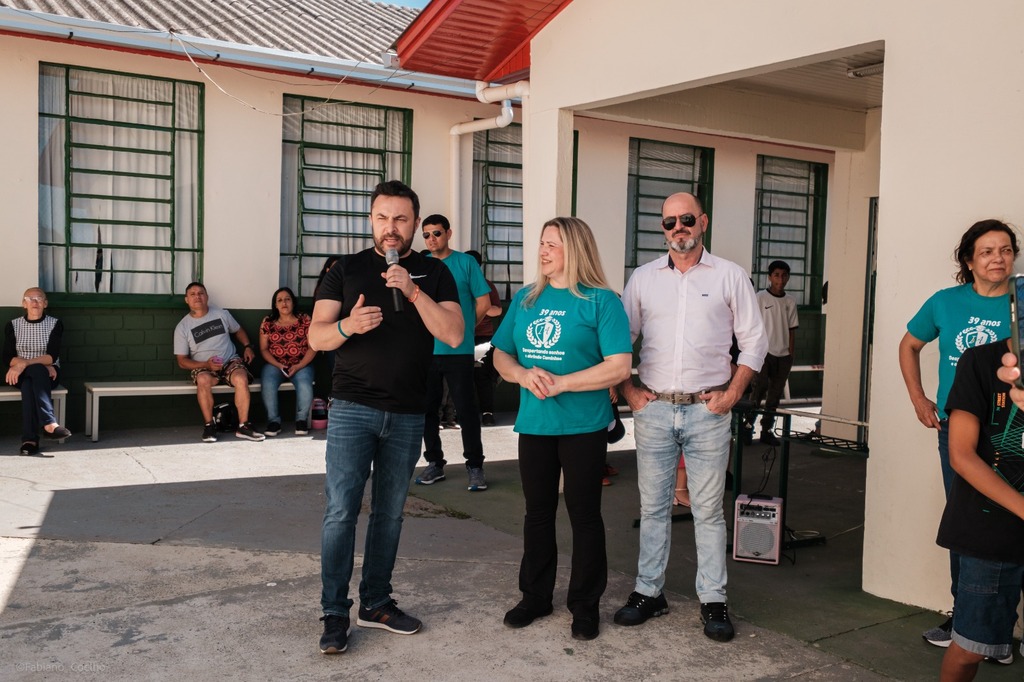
(202, 344)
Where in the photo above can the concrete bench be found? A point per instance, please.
(59, 395)
(94, 390)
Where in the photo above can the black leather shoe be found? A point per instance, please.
(584, 628)
(521, 616)
(717, 626)
(640, 607)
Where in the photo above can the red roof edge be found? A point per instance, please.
(424, 25)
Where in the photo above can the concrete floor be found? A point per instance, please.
(150, 555)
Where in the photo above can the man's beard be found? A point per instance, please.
(683, 247)
(402, 248)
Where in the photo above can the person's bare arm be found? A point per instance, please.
(327, 332)
(910, 366)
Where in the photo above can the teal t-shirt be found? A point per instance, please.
(564, 333)
(469, 279)
(960, 318)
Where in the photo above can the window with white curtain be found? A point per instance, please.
(334, 154)
(498, 205)
(790, 224)
(120, 182)
(657, 170)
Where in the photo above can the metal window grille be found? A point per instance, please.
(656, 170)
(334, 154)
(498, 205)
(790, 224)
(120, 182)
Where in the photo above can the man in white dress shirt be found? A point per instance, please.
(687, 305)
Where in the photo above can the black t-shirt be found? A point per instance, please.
(972, 524)
(386, 368)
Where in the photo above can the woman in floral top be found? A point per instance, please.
(285, 347)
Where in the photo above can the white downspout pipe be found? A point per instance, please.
(487, 95)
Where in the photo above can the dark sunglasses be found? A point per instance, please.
(436, 233)
(687, 219)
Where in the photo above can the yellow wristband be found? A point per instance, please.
(415, 295)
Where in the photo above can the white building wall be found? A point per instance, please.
(242, 160)
(950, 153)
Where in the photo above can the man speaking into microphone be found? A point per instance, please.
(376, 418)
(455, 365)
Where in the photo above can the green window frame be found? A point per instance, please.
(656, 170)
(120, 184)
(498, 205)
(789, 224)
(334, 154)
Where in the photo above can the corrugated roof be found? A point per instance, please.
(357, 30)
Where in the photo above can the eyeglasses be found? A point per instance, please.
(687, 219)
(34, 299)
(435, 233)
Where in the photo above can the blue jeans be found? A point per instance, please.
(271, 380)
(663, 431)
(358, 437)
(36, 403)
(947, 483)
(986, 606)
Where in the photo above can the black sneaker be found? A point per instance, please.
(248, 433)
(389, 617)
(300, 428)
(335, 637)
(273, 428)
(942, 635)
(640, 607)
(487, 419)
(520, 615)
(210, 432)
(715, 616)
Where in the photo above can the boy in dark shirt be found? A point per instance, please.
(984, 516)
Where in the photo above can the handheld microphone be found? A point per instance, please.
(396, 296)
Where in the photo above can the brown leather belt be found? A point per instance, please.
(687, 398)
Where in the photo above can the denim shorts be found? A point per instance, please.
(985, 609)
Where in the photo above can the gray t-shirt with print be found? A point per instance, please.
(202, 338)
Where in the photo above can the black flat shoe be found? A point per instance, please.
(58, 433)
(521, 616)
(584, 628)
(29, 448)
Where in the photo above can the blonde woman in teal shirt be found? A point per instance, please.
(565, 340)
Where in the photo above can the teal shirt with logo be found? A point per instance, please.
(960, 318)
(564, 333)
(469, 279)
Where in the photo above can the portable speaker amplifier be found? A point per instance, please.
(758, 530)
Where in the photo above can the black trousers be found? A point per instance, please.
(457, 370)
(581, 459)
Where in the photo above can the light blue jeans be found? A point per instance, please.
(359, 437)
(663, 431)
(271, 380)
